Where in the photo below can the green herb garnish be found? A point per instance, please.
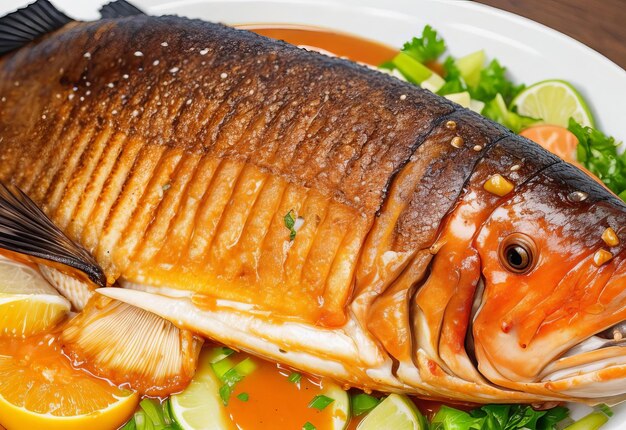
(294, 377)
(232, 376)
(243, 397)
(308, 426)
(362, 403)
(598, 153)
(219, 353)
(498, 417)
(290, 222)
(426, 48)
(320, 401)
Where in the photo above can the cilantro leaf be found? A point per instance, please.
(290, 222)
(598, 153)
(426, 48)
(493, 81)
(454, 81)
(498, 417)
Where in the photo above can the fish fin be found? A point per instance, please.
(27, 24)
(125, 344)
(70, 287)
(119, 9)
(25, 229)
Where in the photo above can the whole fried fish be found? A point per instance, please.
(315, 212)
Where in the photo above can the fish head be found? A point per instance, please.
(550, 314)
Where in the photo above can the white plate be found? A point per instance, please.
(532, 52)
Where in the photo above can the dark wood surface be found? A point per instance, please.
(600, 24)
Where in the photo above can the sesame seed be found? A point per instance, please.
(71, 96)
(188, 102)
(457, 141)
(43, 116)
(403, 97)
(224, 75)
(88, 92)
(477, 148)
(110, 85)
(138, 54)
(125, 76)
(174, 69)
(4, 99)
(135, 113)
(451, 125)
(204, 51)
(88, 84)
(164, 44)
(87, 55)
(114, 112)
(82, 99)
(515, 168)
(155, 63)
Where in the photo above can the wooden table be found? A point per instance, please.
(599, 24)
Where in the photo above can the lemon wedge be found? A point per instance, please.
(28, 304)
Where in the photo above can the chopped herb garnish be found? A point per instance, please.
(362, 403)
(219, 353)
(234, 375)
(290, 222)
(294, 377)
(426, 48)
(598, 153)
(308, 426)
(243, 397)
(166, 187)
(320, 401)
(602, 407)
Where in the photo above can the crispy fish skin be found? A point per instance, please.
(123, 132)
(172, 150)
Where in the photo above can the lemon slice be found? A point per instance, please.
(28, 304)
(340, 405)
(396, 412)
(554, 102)
(199, 406)
(39, 389)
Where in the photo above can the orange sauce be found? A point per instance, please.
(276, 403)
(340, 44)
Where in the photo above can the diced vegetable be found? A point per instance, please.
(470, 67)
(593, 421)
(340, 405)
(414, 71)
(461, 98)
(496, 110)
(362, 403)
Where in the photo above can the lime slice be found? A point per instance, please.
(554, 102)
(340, 405)
(199, 406)
(396, 412)
(28, 304)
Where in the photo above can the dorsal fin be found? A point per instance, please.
(119, 9)
(26, 230)
(27, 24)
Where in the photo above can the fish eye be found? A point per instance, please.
(518, 253)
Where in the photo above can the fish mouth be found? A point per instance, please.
(601, 351)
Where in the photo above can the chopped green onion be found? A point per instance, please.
(246, 367)
(222, 366)
(362, 403)
(320, 401)
(294, 377)
(153, 412)
(290, 222)
(414, 71)
(243, 397)
(308, 426)
(225, 392)
(602, 407)
(593, 421)
(218, 354)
